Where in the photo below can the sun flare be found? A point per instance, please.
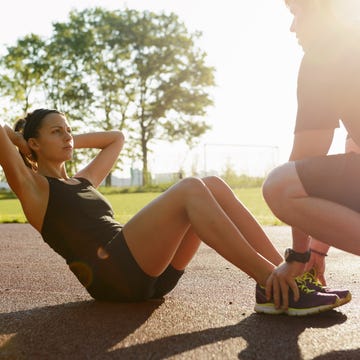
(347, 11)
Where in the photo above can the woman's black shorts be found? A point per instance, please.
(334, 177)
(119, 277)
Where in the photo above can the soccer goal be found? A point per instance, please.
(251, 160)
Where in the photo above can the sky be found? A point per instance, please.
(256, 59)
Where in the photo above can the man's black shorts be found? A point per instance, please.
(334, 177)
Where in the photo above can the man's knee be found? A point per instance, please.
(272, 187)
(280, 186)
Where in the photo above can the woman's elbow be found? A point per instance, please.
(119, 137)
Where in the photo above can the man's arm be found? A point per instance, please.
(310, 143)
(307, 143)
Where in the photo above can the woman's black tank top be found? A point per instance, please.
(78, 220)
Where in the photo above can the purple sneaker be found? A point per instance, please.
(312, 282)
(263, 305)
(310, 302)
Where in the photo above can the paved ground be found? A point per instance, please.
(45, 313)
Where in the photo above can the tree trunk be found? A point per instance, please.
(108, 181)
(145, 171)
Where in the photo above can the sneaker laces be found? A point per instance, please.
(311, 277)
(302, 283)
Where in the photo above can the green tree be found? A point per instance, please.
(136, 71)
(146, 74)
(105, 66)
(169, 80)
(89, 81)
(66, 81)
(23, 67)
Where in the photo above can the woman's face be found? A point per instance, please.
(55, 141)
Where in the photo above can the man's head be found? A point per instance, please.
(312, 20)
(325, 6)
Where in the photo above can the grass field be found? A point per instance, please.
(126, 205)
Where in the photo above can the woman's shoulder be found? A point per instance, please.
(82, 180)
(61, 184)
(36, 185)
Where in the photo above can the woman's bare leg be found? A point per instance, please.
(239, 215)
(243, 219)
(155, 234)
(187, 249)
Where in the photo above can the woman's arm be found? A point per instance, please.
(30, 188)
(16, 172)
(110, 144)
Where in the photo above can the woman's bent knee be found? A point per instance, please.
(191, 184)
(213, 181)
(192, 190)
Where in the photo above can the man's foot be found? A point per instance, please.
(310, 302)
(312, 282)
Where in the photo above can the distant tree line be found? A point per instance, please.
(131, 70)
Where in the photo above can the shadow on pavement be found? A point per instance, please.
(277, 337)
(268, 337)
(79, 330)
(89, 329)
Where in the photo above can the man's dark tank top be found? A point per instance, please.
(78, 220)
